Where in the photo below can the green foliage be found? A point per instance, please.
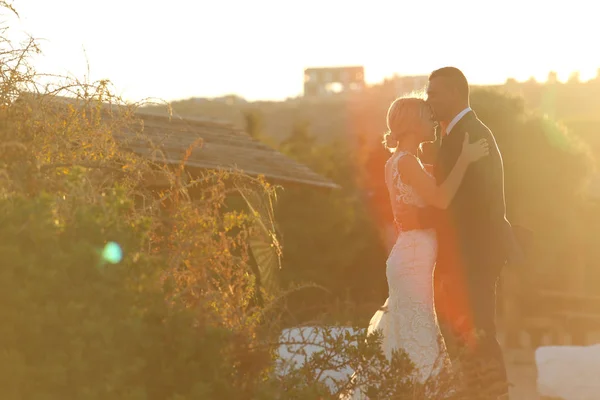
(325, 351)
(546, 169)
(254, 123)
(77, 327)
(173, 319)
(330, 237)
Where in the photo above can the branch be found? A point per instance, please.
(84, 165)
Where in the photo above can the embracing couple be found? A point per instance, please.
(453, 239)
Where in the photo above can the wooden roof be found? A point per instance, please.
(215, 145)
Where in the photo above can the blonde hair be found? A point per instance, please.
(404, 113)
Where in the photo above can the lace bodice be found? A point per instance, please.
(401, 194)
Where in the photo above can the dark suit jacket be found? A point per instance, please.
(474, 228)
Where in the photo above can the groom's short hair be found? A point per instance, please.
(455, 77)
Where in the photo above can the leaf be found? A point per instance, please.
(264, 243)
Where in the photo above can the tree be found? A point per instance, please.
(574, 77)
(330, 237)
(254, 123)
(552, 77)
(545, 172)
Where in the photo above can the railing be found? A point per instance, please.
(560, 313)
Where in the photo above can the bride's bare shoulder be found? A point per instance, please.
(409, 167)
(407, 159)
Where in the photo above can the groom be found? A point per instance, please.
(475, 240)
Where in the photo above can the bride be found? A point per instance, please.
(407, 320)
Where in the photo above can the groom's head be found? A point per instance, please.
(447, 93)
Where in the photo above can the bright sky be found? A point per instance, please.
(258, 49)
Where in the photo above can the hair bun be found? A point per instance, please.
(390, 141)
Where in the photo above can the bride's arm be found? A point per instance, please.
(425, 185)
(412, 173)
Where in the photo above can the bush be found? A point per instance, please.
(172, 320)
(76, 326)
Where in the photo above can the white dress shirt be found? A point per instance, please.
(456, 119)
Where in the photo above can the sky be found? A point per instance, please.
(258, 49)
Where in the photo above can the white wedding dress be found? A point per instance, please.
(407, 320)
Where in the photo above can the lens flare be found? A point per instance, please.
(112, 253)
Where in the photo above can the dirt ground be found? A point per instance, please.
(521, 369)
(522, 374)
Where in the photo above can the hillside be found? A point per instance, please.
(346, 117)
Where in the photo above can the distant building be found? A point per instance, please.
(331, 80)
